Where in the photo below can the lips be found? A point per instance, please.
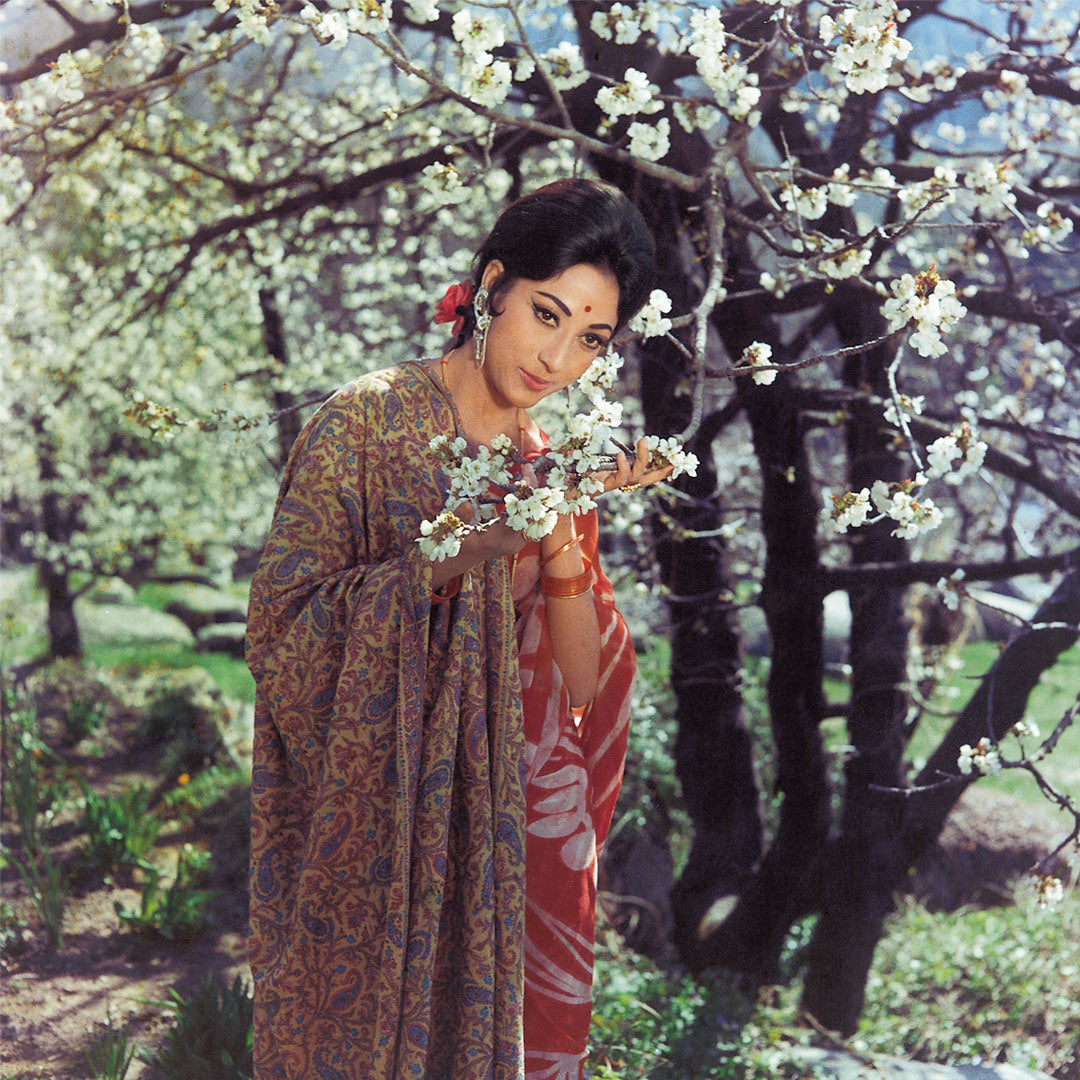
(532, 382)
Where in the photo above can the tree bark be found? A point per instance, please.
(288, 426)
(751, 938)
(861, 864)
(713, 751)
(57, 523)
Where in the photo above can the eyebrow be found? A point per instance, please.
(566, 311)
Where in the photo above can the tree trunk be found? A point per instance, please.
(862, 862)
(751, 938)
(58, 525)
(288, 426)
(714, 758)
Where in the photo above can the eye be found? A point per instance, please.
(595, 341)
(546, 315)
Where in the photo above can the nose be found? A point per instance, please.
(555, 355)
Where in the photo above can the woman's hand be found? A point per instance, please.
(635, 473)
(495, 541)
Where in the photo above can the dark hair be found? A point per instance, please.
(561, 225)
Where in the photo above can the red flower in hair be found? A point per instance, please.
(452, 307)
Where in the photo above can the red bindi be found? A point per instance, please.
(587, 308)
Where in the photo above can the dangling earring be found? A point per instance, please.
(569, 400)
(483, 323)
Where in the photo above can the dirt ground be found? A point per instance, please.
(52, 1004)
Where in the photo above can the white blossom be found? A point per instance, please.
(696, 115)
(847, 510)
(649, 321)
(869, 44)
(535, 512)
(952, 589)
(566, 65)
(422, 11)
(930, 302)
(755, 354)
(650, 141)
(810, 203)
(478, 32)
(955, 456)
(911, 405)
(901, 503)
(983, 757)
(634, 95)
(669, 452)
(439, 538)
(443, 182)
(1049, 891)
(1025, 729)
(486, 80)
(622, 23)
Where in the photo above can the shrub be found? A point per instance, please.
(110, 1054)
(76, 698)
(212, 1038)
(45, 881)
(179, 910)
(120, 829)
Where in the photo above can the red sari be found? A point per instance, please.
(574, 768)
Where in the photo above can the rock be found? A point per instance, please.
(636, 874)
(225, 637)
(840, 1065)
(107, 623)
(112, 590)
(989, 840)
(199, 606)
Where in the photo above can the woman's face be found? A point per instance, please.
(548, 332)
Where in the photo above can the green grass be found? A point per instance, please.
(1001, 984)
(1056, 691)
(231, 675)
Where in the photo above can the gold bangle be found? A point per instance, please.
(564, 588)
(555, 554)
(453, 587)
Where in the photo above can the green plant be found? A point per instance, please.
(180, 909)
(28, 790)
(212, 1037)
(110, 1054)
(46, 885)
(83, 717)
(999, 983)
(120, 829)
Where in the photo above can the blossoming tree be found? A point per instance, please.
(867, 333)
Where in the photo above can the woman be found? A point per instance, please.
(425, 731)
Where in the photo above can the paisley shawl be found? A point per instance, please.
(392, 926)
(387, 876)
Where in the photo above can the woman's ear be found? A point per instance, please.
(492, 271)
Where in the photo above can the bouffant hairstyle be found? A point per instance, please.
(561, 225)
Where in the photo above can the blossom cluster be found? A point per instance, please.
(650, 321)
(930, 302)
(757, 354)
(902, 502)
(983, 757)
(530, 499)
(957, 456)
(732, 83)
(870, 47)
